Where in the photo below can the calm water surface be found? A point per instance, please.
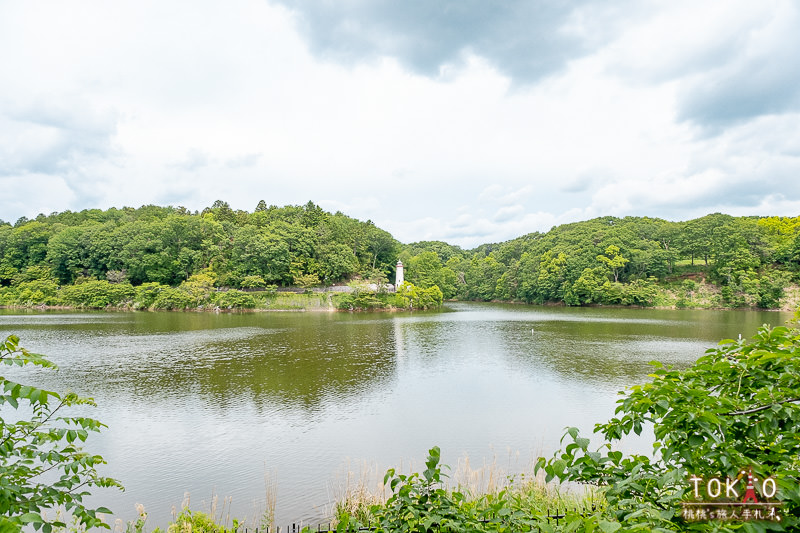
(214, 403)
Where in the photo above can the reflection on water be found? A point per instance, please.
(204, 403)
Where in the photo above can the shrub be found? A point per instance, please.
(253, 282)
(172, 298)
(413, 297)
(422, 503)
(307, 280)
(271, 290)
(736, 407)
(147, 293)
(199, 522)
(345, 301)
(199, 288)
(98, 293)
(35, 292)
(640, 292)
(44, 440)
(234, 298)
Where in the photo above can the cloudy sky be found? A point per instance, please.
(460, 120)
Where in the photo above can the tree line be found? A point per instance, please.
(631, 260)
(606, 260)
(167, 245)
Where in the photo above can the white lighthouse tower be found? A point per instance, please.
(398, 279)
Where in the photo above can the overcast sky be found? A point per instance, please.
(465, 121)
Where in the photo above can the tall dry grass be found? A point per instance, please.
(362, 487)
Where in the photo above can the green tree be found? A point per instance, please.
(257, 253)
(199, 288)
(98, 294)
(337, 261)
(482, 277)
(44, 441)
(588, 288)
(306, 281)
(736, 407)
(253, 282)
(551, 277)
(172, 298)
(410, 296)
(25, 245)
(147, 293)
(382, 247)
(424, 269)
(235, 299)
(614, 261)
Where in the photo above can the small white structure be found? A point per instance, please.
(398, 274)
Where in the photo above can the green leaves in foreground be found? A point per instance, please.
(737, 407)
(422, 503)
(42, 465)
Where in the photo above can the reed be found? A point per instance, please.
(362, 488)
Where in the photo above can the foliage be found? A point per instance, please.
(306, 280)
(199, 522)
(98, 294)
(409, 296)
(253, 282)
(170, 298)
(362, 300)
(736, 407)
(613, 260)
(622, 261)
(36, 292)
(751, 260)
(235, 299)
(44, 440)
(198, 288)
(147, 294)
(422, 502)
(168, 245)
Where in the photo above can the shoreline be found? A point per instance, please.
(784, 309)
(316, 309)
(127, 309)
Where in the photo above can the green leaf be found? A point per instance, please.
(696, 440)
(33, 446)
(31, 518)
(7, 526)
(609, 527)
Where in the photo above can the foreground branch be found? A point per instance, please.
(762, 408)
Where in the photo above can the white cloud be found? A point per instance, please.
(33, 194)
(509, 212)
(189, 102)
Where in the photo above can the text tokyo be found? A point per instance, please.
(732, 488)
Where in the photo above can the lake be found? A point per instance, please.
(224, 404)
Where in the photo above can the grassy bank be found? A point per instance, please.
(477, 499)
(687, 290)
(466, 498)
(200, 293)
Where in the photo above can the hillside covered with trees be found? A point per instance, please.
(733, 261)
(96, 258)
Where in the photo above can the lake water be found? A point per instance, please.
(225, 403)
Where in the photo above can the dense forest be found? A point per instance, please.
(714, 261)
(95, 258)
